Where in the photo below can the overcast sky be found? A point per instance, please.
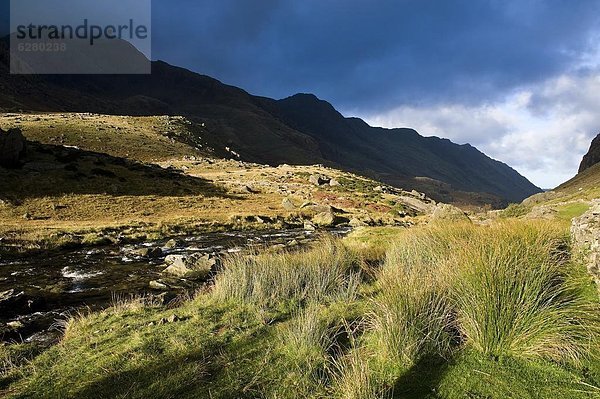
(519, 79)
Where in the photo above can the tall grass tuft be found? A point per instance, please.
(411, 319)
(307, 332)
(328, 270)
(353, 377)
(505, 289)
(516, 295)
(304, 345)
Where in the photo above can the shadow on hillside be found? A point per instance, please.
(421, 380)
(51, 170)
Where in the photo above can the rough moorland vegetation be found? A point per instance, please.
(443, 311)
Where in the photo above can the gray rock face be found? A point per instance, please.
(592, 157)
(12, 147)
(585, 232)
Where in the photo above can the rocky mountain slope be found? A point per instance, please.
(572, 198)
(298, 130)
(592, 157)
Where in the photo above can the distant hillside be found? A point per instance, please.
(298, 130)
(582, 188)
(586, 184)
(399, 155)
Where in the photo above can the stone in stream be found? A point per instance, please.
(171, 244)
(158, 285)
(309, 226)
(148, 252)
(195, 266)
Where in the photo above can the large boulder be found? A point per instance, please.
(195, 266)
(12, 147)
(148, 252)
(325, 219)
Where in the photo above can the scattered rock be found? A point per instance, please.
(173, 318)
(293, 243)
(321, 208)
(288, 205)
(446, 212)
(157, 285)
(417, 204)
(334, 183)
(195, 266)
(318, 180)
(148, 252)
(171, 244)
(325, 219)
(12, 147)
(355, 222)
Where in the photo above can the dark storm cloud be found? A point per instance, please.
(366, 55)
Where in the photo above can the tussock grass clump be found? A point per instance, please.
(506, 289)
(327, 270)
(412, 318)
(517, 295)
(354, 378)
(304, 346)
(307, 334)
(413, 314)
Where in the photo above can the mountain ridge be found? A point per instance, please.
(300, 129)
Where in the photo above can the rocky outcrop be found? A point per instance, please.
(585, 233)
(12, 147)
(592, 157)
